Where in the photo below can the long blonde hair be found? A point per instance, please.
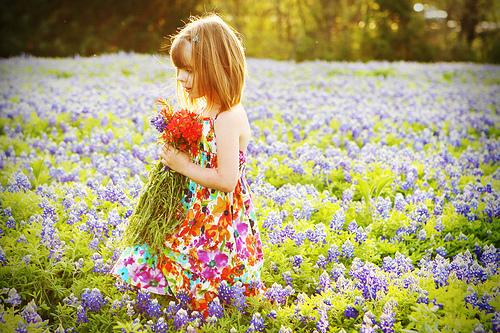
(218, 59)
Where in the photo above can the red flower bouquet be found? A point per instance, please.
(159, 210)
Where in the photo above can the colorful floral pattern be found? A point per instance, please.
(217, 241)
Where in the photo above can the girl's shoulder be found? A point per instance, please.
(235, 114)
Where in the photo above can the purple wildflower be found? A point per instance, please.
(351, 312)
(322, 325)
(92, 300)
(181, 318)
(256, 323)
(215, 308)
(296, 261)
(279, 294)
(158, 122)
(13, 297)
(347, 249)
(81, 315)
(29, 313)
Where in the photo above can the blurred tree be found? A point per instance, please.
(280, 29)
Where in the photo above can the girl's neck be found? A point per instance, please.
(212, 112)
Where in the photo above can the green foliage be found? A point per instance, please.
(372, 186)
(11, 317)
(23, 204)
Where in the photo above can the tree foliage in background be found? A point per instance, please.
(279, 29)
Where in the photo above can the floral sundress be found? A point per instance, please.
(218, 241)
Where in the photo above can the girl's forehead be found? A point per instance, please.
(181, 54)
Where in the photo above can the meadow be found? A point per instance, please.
(375, 185)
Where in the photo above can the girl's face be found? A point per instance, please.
(186, 75)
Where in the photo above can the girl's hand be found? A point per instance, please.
(174, 158)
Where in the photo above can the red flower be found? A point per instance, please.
(183, 130)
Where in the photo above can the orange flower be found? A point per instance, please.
(194, 223)
(229, 273)
(217, 233)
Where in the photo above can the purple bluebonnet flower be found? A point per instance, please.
(92, 300)
(172, 309)
(422, 235)
(490, 256)
(360, 236)
(383, 207)
(26, 259)
(353, 226)
(81, 315)
(421, 214)
(388, 317)
(333, 254)
(7, 211)
(29, 313)
(160, 326)
(215, 308)
(351, 312)
(399, 265)
(299, 238)
(448, 238)
(13, 297)
(337, 271)
(99, 265)
(322, 325)
(321, 261)
(18, 182)
(233, 295)
(272, 314)
(347, 249)
(272, 221)
(369, 324)
(323, 281)
(71, 300)
(471, 298)
(495, 322)
(439, 225)
(181, 318)
(347, 195)
(112, 193)
(369, 278)
(399, 202)
(225, 292)
(10, 223)
(158, 122)
(279, 294)
(239, 298)
(440, 270)
(287, 277)
(296, 261)
(256, 323)
(441, 251)
(144, 304)
(21, 328)
(484, 305)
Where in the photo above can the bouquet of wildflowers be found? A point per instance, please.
(159, 210)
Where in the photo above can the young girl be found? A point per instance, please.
(219, 239)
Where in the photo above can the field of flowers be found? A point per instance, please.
(376, 187)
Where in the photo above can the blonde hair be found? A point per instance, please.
(218, 61)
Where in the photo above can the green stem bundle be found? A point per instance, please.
(159, 210)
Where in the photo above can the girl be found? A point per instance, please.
(219, 239)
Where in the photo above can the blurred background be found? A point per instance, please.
(350, 30)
